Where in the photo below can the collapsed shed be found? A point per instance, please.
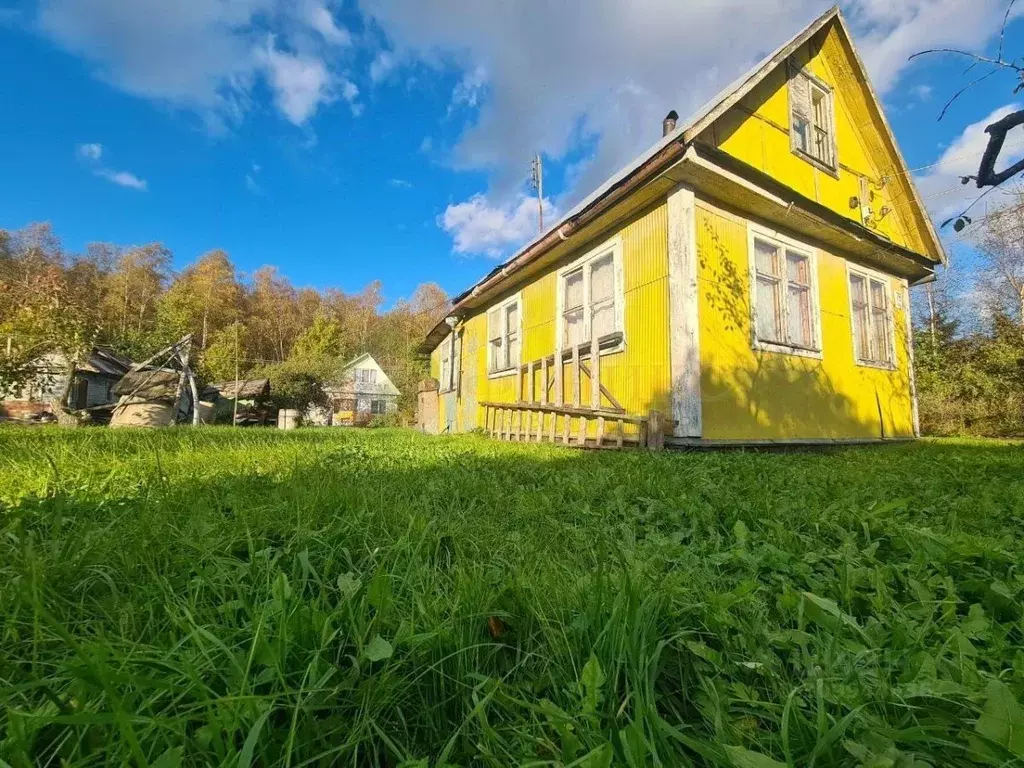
(160, 391)
(250, 395)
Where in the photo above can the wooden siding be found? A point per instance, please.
(746, 393)
(756, 131)
(749, 394)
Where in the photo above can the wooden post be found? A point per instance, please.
(618, 436)
(551, 432)
(529, 374)
(576, 376)
(600, 431)
(544, 381)
(559, 375)
(595, 373)
(566, 427)
(581, 438)
(540, 426)
(655, 431)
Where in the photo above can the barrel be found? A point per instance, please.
(288, 418)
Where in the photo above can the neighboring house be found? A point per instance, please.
(362, 391)
(746, 279)
(93, 385)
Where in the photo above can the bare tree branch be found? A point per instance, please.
(1002, 31)
(981, 59)
(987, 175)
(959, 93)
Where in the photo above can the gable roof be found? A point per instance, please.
(669, 149)
(366, 356)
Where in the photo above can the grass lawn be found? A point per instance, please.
(381, 598)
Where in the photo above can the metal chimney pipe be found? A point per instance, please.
(669, 123)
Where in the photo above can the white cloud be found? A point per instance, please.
(922, 92)
(205, 56)
(400, 183)
(320, 18)
(383, 65)
(468, 90)
(477, 227)
(426, 145)
(300, 83)
(92, 156)
(90, 151)
(940, 185)
(547, 78)
(122, 179)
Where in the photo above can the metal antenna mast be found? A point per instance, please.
(537, 180)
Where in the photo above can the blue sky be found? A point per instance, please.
(390, 140)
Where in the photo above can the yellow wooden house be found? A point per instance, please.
(745, 280)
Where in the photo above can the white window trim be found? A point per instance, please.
(886, 280)
(816, 82)
(755, 231)
(615, 246)
(516, 297)
(453, 345)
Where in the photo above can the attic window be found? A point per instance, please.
(812, 120)
(365, 377)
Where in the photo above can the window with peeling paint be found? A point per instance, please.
(812, 119)
(785, 313)
(871, 317)
(503, 337)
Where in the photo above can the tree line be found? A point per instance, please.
(132, 300)
(969, 331)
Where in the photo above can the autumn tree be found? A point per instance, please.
(204, 298)
(135, 284)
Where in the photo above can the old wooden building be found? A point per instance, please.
(746, 280)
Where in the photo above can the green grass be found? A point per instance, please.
(242, 597)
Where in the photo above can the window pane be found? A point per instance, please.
(801, 131)
(602, 279)
(878, 295)
(573, 325)
(512, 318)
(880, 336)
(769, 311)
(493, 324)
(798, 268)
(766, 258)
(573, 290)
(879, 322)
(860, 319)
(603, 319)
(494, 348)
(512, 360)
(800, 332)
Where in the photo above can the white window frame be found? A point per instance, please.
(445, 376)
(831, 165)
(873, 274)
(365, 374)
(452, 348)
(614, 246)
(756, 232)
(516, 298)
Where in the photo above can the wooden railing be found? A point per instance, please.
(533, 416)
